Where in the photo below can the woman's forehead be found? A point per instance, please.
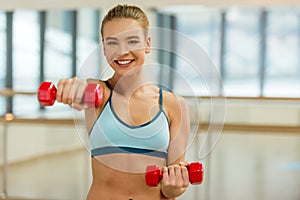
(122, 28)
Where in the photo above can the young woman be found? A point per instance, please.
(137, 124)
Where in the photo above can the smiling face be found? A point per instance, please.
(125, 44)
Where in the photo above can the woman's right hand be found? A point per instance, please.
(71, 91)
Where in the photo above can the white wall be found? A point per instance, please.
(29, 141)
(74, 4)
(249, 112)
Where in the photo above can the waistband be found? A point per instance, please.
(127, 150)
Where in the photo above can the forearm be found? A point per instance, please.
(171, 194)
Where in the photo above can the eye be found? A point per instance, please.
(111, 43)
(133, 42)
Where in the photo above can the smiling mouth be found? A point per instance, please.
(123, 62)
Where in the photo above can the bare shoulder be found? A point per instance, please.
(172, 99)
(173, 104)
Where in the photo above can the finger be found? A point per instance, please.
(171, 171)
(77, 91)
(185, 176)
(165, 173)
(66, 92)
(60, 89)
(184, 163)
(73, 90)
(177, 171)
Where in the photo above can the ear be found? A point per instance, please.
(148, 45)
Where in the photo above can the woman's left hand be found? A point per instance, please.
(175, 180)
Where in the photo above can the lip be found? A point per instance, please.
(124, 62)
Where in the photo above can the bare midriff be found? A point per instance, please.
(122, 176)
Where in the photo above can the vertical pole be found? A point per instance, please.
(262, 59)
(161, 39)
(74, 39)
(9, 59)
(222, 49)
(42, 19)
(173, 24)
(298, 45)
(97, 24)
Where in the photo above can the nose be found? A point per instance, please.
(123, 49)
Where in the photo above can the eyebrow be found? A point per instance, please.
(133, 37)
(128, 38)
(110, 38)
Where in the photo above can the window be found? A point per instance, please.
(196, 41)
(202, 27)
(25, 59)
(69, 37)
(89, 52)
(88, 33)
(58, 46)
(3, 58)
(283, 53)
(255, 50)
(241, 56)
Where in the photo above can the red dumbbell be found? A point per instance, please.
(154, 175)
(92, 96)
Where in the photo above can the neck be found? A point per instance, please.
(127, 84)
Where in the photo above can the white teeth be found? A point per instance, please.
(123, 62)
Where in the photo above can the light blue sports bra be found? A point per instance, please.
(111, 135)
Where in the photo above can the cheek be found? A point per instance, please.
(109, 55)
(140, 55)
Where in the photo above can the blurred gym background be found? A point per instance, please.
(255, 47)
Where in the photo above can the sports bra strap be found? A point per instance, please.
(107, 84)
(160, 98)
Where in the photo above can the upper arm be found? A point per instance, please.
(177, 110)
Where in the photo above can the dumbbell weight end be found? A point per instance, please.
(47, 94)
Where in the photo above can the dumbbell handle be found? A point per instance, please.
(154, 175)
(92, 96)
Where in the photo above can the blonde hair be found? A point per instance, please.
(126, 11)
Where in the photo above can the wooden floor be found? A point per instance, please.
(57, 176)
(242, 166)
